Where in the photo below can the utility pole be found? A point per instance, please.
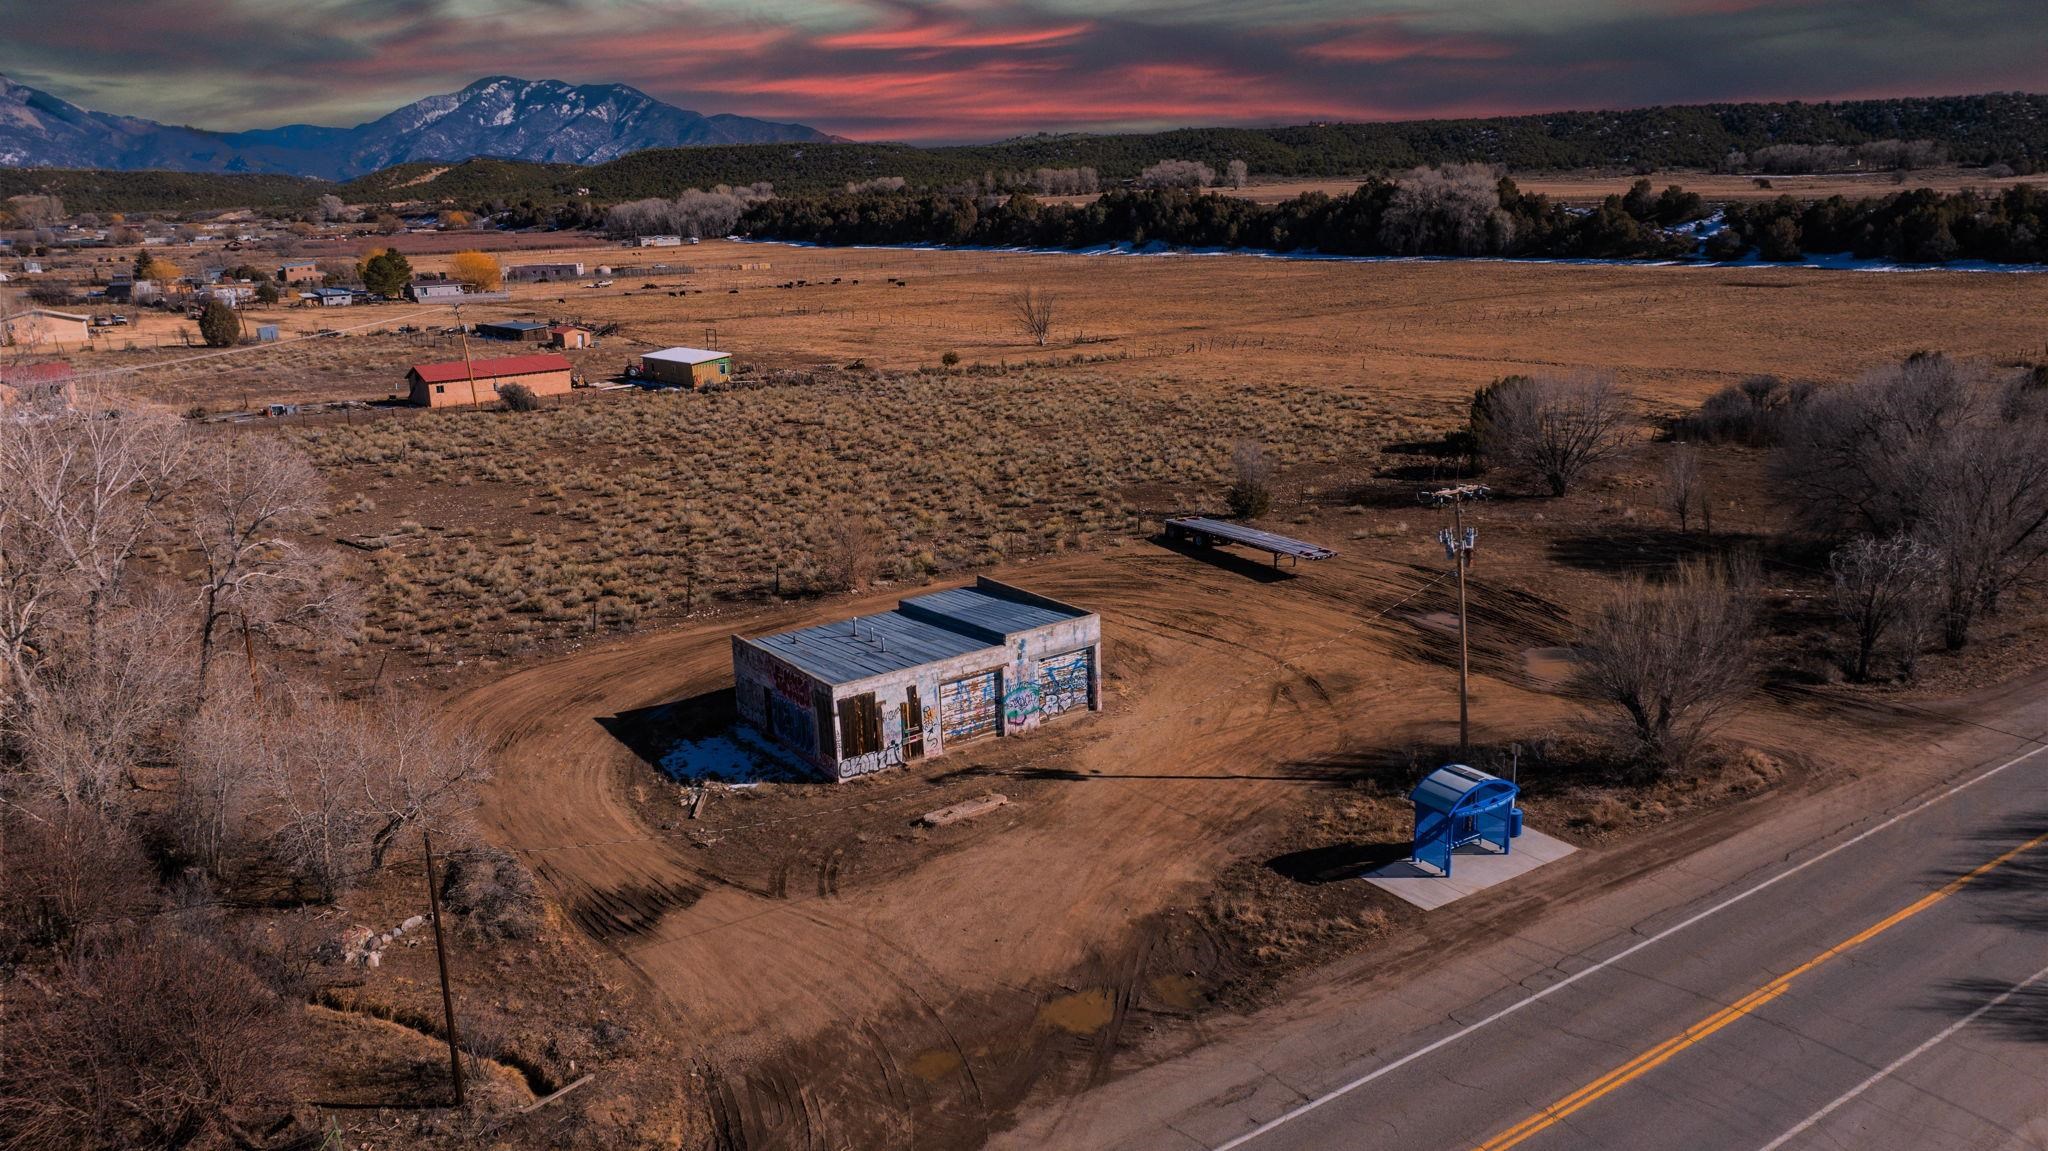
(1458, 541)
(467, 367)
(441, 957)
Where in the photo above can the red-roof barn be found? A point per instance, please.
(459, 382)
(47, 384)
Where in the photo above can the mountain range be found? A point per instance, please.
(544, 121)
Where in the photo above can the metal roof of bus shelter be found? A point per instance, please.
(1454, 787)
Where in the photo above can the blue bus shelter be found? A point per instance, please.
(1456, 805)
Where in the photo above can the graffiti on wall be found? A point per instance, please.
(1063, 682)
(1020, 704)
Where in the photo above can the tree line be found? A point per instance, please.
(1465, 210)
(1921, 226)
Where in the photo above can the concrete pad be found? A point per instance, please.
(1474, 867)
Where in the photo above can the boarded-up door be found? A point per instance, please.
(1063, 681)
(913, 724)
(968, 707)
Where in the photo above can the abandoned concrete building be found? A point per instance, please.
(878, 691)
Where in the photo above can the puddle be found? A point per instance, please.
(1549, 666)
(1179, 992)
(1082, 1013)
(935, 1065)
(737, 758)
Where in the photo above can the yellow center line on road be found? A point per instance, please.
(1656, 1056)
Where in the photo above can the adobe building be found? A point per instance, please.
(942, 670)
(45, 329)
(459, 382)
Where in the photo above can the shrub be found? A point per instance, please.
(1251, 489)
(518, 398)
(1672, 657)
(1557, 428)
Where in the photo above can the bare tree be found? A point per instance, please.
(1251, 488)
(1986, 513)
(104, 701)
(224, 760)
(1034, 309)
(1177, 174)
(1946, 451)
(343, 779)
(245, 517)
(1672, 657)
(1685, 489)
(1882, 589)
(79, 493)
(847, 553)
(63, 870)
(1235, 172)
(1556, 427)
(1454, 209)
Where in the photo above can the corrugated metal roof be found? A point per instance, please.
(685, 355)
(869, 645)
(923, 629)
(987, 614)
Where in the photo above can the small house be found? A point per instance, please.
(430, 293)
(44, 328)
(692, 368)
(298, 272)
(566, 336)
(461, 382)
(942, 670)
(660, 241)
(519, 331)
(329, 297)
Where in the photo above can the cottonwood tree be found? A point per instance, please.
(1884, 590)
(1034, 310)
(344, 779)
(1235, 172)
(477, 271)
(245, 515)
(1672, 657)
(79, 492)
(102, 703)
(1452, 209)
(1177, 174)
(1557, 428)
(1685, 489)
(1946, 451)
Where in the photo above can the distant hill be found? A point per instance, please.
(1996, 128)
(544, 121)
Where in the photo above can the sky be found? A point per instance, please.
(973, 70)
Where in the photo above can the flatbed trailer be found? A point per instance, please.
(1201, 531)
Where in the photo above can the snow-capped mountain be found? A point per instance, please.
(502, 116)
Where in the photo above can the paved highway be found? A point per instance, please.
(1883, 985)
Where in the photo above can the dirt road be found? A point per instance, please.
(941, 966)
